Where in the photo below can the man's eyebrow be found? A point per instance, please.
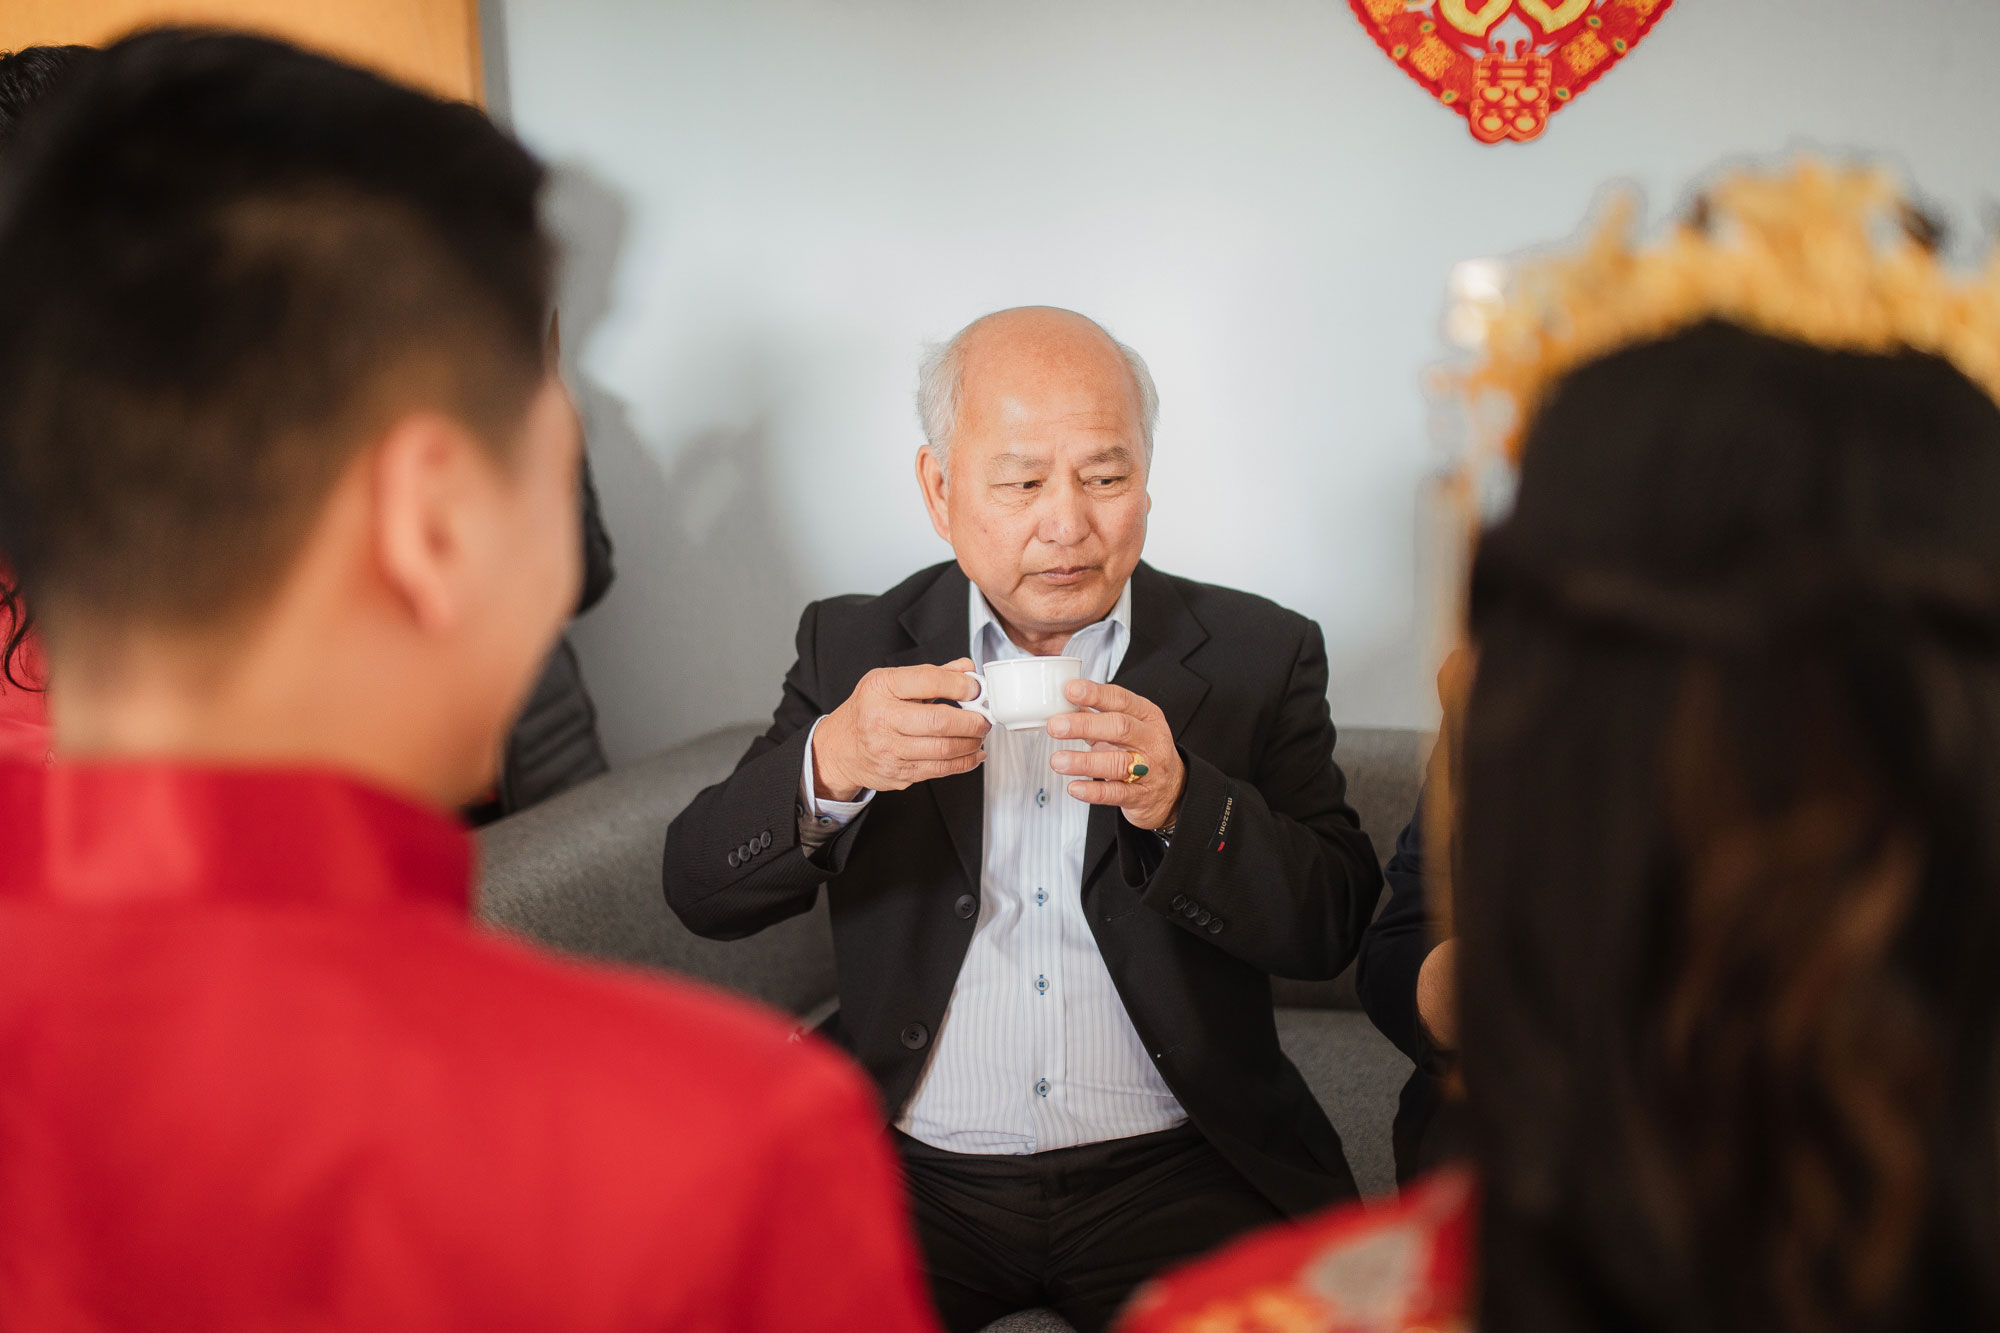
(1017, 462)
(1117, 453)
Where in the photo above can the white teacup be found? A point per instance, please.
(1022, 693)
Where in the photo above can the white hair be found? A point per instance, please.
(941, 375)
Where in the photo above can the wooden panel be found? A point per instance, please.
(433, 44)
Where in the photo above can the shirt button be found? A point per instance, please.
(965, 906)
(1041, 1087)
(1041, 897)
(915, 1035)
(1042, 797)
(1041, 985)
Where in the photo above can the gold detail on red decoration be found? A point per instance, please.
(1433, 57)
(1557, 16)
(1510, 98)
(1477, 22)
(1586, 53)
(1470, 55)
(1270, 1309)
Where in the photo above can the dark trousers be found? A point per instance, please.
(1076, 1229)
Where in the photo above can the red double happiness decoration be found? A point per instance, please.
(1460, 50)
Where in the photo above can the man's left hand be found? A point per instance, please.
(1123, 728)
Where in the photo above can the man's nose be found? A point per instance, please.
(1065, 515)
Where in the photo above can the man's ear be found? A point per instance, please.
(424, 484)
(930, 477)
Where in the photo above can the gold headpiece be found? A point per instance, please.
(1834, 256)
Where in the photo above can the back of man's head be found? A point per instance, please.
(225, 262)
(27, 76)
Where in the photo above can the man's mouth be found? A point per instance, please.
(1067, 574)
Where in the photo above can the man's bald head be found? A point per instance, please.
(1030, 348)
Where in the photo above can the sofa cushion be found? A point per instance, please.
(1357, 1075)
(582, 873)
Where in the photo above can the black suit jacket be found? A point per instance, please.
(1429, 1129)
(1269, 872)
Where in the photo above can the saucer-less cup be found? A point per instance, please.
(1023, 693)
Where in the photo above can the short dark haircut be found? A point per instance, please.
(224, 263)
(1728, 860)
(27, 76)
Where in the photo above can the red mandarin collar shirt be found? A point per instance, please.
(258, 1071)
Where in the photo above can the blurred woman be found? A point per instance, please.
(1726, 870)
(26, 76)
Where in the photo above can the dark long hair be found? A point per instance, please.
(14, 627)
(26, 78)
(1728, 852)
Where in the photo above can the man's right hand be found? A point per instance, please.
(888, 736)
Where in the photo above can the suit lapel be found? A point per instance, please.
(941, 632)
(1164, 634)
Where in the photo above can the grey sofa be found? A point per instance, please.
(581, 873)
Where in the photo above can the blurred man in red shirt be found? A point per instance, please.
(290, 486)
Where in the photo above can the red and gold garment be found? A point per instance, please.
(260, 1071)
(1397, 1267)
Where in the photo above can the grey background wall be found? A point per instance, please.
(769, 204)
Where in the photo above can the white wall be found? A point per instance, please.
(769, 203)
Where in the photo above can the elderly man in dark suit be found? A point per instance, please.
(1055, 944)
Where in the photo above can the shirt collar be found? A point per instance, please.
(112, 833)
(989, 641)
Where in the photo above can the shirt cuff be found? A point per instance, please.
(821, 820)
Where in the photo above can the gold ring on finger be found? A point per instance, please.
(1137, 769)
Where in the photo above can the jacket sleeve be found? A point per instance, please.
(733, 862)
(1274, 870)
(1394, 948)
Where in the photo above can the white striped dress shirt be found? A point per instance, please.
(1036, 1051)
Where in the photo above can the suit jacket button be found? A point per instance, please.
(1180, 901)
(1191, 910)
(965, 906)
(1215, 926)
(764, 842)
(1205, 917)
(734, 860)
(745, 852)
(915, 1035)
